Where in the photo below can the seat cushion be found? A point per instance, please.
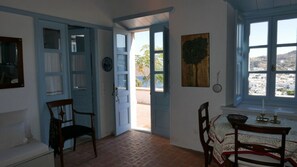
(23, 152)
(12, 135)
(75, 131)
(14, 129)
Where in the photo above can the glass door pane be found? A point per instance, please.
(158, 41)
(54, 85)
(51, 38)
(158, 70)
(78, 61)
(52, 61)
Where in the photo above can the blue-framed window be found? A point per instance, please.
(269, 59)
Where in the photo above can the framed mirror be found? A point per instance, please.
(11, 63)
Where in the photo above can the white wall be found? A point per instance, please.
(88, 11)
(189, 17)
(106, 84)
(26, 97)
(194, 17)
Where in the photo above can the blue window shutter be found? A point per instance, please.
(239, 62)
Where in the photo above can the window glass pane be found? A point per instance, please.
(159, 82)
(159, 41)
(52, 62)
(51, 38)
(77, 43)
(159, 65)
(79, 81)
(54, 85)
(258, 34)
(122, 62)
(122, 81)
(286, 59)
(287, 31)
(258, 59)
(121, 42)
(257, 84)
(78, 62)
(285, 85)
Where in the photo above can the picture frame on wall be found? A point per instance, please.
(195, 60)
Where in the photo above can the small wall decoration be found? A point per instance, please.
(195, 60)
(107, 64)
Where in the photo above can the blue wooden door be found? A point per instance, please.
(159, 80)
(122, 43)
(80, 71)
(52, 69)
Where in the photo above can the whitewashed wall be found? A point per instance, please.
(107, 115)
(26, 97)
(188, 17)
(88, 11)
(194, 17)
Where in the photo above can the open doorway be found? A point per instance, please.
(140, 77)
(157, 64)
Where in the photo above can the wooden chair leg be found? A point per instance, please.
(206, 159)
(74, 144)
(210, 157)
(61, 157)
(94, 144)
(61, 146)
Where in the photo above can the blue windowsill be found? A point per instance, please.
(285, 112)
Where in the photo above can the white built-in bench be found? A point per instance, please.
(17, 146)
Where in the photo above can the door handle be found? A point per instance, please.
(115, 94)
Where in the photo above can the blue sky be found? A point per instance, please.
(142, 38)
(286, 33)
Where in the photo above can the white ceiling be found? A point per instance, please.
(250, 5)
(142, 21)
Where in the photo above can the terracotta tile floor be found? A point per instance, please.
(132, 149)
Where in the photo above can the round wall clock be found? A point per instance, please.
(217, 87)
(107, 64)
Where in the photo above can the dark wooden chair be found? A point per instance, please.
(258, 151)
(203, 119)
(63, 126)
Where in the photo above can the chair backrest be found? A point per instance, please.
(261, 148)
(203, 120)
(62, 110)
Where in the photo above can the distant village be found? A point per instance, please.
(285, 82)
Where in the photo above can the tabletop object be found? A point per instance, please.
(236, 119)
